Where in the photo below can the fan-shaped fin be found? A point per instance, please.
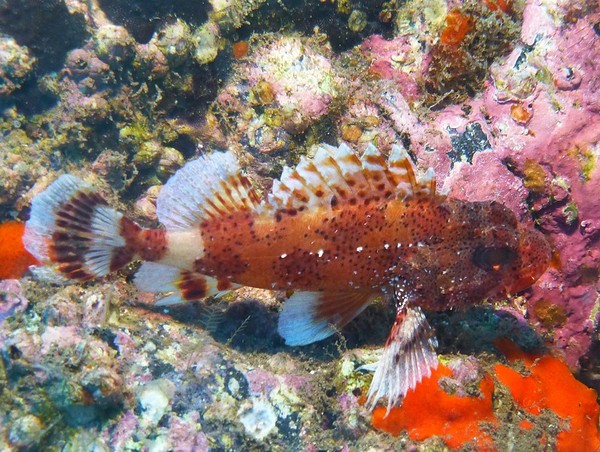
(205, 188)
(308, 317)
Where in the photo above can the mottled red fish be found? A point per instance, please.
(338, 230)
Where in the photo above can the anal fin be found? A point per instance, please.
(408, 357)
(308, 317)
(180, 285)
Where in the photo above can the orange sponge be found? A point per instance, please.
(551, 385)
(14, 258)
(429, 411)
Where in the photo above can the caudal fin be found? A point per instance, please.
(73, 227)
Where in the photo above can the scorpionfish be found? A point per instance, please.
(338, 230)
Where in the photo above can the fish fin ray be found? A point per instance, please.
(308, 317)
(205, 188)
(73, 227)
(408, 357)
(180, 285)
(336, 175)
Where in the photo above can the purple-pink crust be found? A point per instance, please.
(558, 83)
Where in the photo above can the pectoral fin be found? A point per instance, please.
(308, 317)
(408, 357)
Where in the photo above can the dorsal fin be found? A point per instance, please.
(205, 188)
(335, 176)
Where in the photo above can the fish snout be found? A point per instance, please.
(535, 253)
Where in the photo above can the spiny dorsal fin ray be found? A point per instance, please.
(206, 188)
(337, 176)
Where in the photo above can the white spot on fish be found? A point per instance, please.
(386, 246)
(359, 249)
(399, 245)
(320, 253)
(283, 256)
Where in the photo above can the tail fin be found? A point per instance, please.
(73, 227)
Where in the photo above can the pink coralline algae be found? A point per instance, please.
(12, 299)
(279, 91)
(395, 60)
(557, 77)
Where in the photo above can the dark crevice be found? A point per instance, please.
(304, 15)
(143, 17)
(45, 27)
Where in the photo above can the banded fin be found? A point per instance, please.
(335, 175)
(205, 188)
(72, 226)
(308, 317)
(183, 285)
(408, 357)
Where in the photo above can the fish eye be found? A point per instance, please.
(493, 258)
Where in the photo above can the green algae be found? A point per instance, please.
(570, 213)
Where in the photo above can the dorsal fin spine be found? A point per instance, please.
(339, 185)
(376, 167)
(428, 181)
(208, 187)
(401, 167)
(339, 174)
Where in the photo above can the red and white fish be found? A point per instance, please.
(338, 230)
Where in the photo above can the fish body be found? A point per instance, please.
(431, 241)
(338, 230)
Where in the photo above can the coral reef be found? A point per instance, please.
(16, 63)
(543, 390)
(500, 97)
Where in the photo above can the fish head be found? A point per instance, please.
(507, 256)
(486, 255)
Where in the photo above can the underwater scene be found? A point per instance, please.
(299, 225)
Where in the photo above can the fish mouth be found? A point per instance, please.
(535, 253)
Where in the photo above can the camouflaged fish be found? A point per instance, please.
(338, 230)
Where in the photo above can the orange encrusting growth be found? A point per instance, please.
(525, 425)
(14, 258)
(503, 5)
(429, 411)
(240, 49)
(552, 386)
(456, 28)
